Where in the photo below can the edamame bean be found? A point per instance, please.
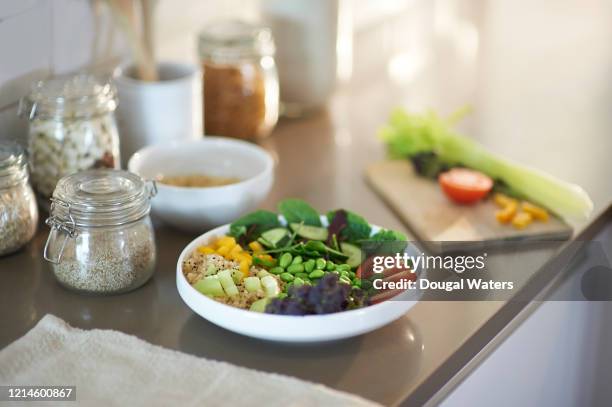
(309, 265)
(344, 274)
(316, 274)
(352, 274)
(285, 260)
(357, 282)
(295, 268)
(281, 296)
(303, 276)
(342, 280)
(330, 266)
(297, 260)
(343, 267)
(298, 282)
(320, 264)
(287, 277)
(277, 270)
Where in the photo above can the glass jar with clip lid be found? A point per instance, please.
(101, 239)
(18, 210)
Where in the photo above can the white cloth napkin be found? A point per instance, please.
(110, 368)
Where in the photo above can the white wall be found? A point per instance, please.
(40, 38)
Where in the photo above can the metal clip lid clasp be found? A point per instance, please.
(56, 224)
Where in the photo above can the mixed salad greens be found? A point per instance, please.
(289, 265)
(432, 145)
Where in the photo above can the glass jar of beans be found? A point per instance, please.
(240, 81)
(71, 128)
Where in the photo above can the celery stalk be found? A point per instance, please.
(407, 135)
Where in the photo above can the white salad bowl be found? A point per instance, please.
(299, 329)
(199, 209)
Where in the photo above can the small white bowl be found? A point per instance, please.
(299, 329)
(199, 209)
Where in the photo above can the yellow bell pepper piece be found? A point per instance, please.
(226, 241)
(506, 214)
(223, 251)
(521, 220)
(244, 268)
(502, 200)
(234, 252)
(256, 246)
(266, 257)
(206, 250)
(536, 212)
(240, 257)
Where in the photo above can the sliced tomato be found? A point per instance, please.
(465, 186)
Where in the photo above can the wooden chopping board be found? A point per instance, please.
(426, 211)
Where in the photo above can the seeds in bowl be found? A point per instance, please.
(196, 180)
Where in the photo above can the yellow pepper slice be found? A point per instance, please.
(234, 251)
(243, 257)
(223, 251)
(521, 220)
(502, 200)
(206, 250)
(256, 246)
(226, 241)
(264, 257)
(244, 268)
(535, 211)
(506, 214)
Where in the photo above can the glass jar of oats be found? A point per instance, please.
(71, 128)
(18, 210)
(101, 239)
(240, 82)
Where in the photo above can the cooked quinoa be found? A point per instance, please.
(196, 265)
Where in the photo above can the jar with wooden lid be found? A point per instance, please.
(240, 81)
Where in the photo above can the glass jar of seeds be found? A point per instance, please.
(18, 210)
(101, 239)
(240, 81)
(71, 128)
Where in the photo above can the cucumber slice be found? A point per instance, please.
(260, 305)
(211, 270)
(275, 236)
(210, 286)
(353, 252)
(270, 286)
(309, 232)
(227, 282)
(252, 284)
(265, 243)
(237, 276)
